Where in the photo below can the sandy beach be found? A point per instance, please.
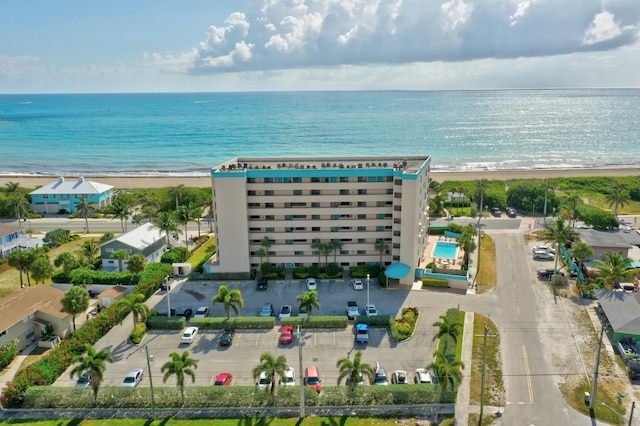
(205, 181)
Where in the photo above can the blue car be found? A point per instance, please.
(362, 333)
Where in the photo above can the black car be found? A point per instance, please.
(496, 212)
(261, 284)
(511, 212)
(546, 274)
(227, 337)
(165, 312)
(184, 312)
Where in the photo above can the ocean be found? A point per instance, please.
(184, 134)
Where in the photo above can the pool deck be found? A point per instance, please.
(441, 263)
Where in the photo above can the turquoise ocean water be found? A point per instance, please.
(187, 134)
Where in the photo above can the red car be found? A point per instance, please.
(286, 336)
(223, 379)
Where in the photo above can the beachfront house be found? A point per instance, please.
(63, 195)
(12, 238)
(27, 312)
(146, 240)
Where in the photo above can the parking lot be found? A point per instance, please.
(321, 348)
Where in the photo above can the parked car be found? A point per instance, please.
(542, 255)
(312, 377)
(267, 310)
(286, 336)
(202, 312)
(263, 381)
(399, 377)
(227, 337)
(362, 333)
(511, 212)
(302, 313)
(285, 312)
(546, 274)
(262, 284)
(542, 248)
(422, 376)
(371, 310)
(357, 284)
(165, 312)
(289, 377)
(496, 211)
(380, 378)
(184, 312)
(84, 380)
(188, 335)
(133, 378)
(360, 380)
(223, 379)
(352, 309)
(312, 284)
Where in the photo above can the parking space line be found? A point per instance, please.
(334, 338)
(314, 339)
(258, 340)
(213, 379)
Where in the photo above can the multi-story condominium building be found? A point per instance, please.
(357, 201)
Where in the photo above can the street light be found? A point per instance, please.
(168, 297)
(300, 343)
(367, 295)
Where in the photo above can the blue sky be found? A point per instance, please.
(248, 45)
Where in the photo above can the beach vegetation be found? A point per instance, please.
(597, 218)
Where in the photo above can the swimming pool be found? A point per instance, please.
(444, 250)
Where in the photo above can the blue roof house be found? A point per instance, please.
(63, 195)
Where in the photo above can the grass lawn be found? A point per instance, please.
(257, 421)
(202, 253)
(493, 385)
(486, 274)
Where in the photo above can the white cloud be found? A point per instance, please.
(601, 29)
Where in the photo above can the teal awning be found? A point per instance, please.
(397, 270)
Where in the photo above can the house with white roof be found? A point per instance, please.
(64, 195)
(147, 240)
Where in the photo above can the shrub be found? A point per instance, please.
(165, 323)
(318, 321)
(175, 255)
(219, 323)
(8, 353)
(138, 333)
(376, 321)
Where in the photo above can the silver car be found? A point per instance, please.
(133, 378)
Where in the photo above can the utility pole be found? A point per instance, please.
(633, 406)
(487, 333)
(300, 343)
(153, 402)
(592, 400)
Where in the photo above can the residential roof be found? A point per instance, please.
(24, 302)
(604, 239)
(114, 291)
(622, 310)
(141, 237)
(8, 229)
(80, 186)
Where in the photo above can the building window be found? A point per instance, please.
(254, 204)
(362, 179)
(250, 193)
(315, 229)
(269, 217)
(268, 205)
(30, 334)
(397, 208)
(315, 180)
(298, 253)
(315, 205)
(344, 179)
(251, 180)
(297, 180)
(297, 192)
(361, 240)
(362, 252)
(362, 216)
(362, 192)
(362, 228)
(268, 193)
(396, 182)
(389, 191)
(269, 230)
(344, 192)
(268, 180)
(380, 204)
(315, 192)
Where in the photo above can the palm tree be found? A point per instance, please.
(94, 363)
(196, 212)
(136, 264)
(41, 269)
(261, 252)
(336, 246)
(447, 329)
(177, 192)
(120, 209)
(179, 366)
(266, 243)
(317, 246)
(559, 234)
(468, 243)
(613, 268)
(67, 261)
(19, 260)
(107, 236)
(134, 304)
(185, 214)
(12, 188)
(619, 196)
(546, 186)
(448, 372)
(75, 301)
(271, 366)
(581, 251)
(20, 206)
(354, 370)
(308, 301)
(91, 250)
(82, 276)
(326, 251)
(481, 188)
(381, 247)
(230, 299)
(166, 221)
(86, 209)
(120, 255)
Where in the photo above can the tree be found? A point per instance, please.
(559, 234)
(179, 366)
(381, 247)
(166, 221)
(121, 209)
(481, 189)
(19, 259)
(230, 299)
(618, 197)
(12, 188)
(336, 246)
(67, 261)
(308, 301)
(91, 250)
(326, 251)
(448, 372)
(75, 301)
(85, 209)
(177, 192)
(271, 366)
(266, 243)
(107, 236)
(57, 237)
(185, 214)
(581, 251)
(41, 269)
(354, 370)
(82, 276)
(134, 303)
(94, 363)
(136, 264)
(613, 268)
(447, 329)
(120, 255)
(261, 252)
(317, 246)
(468, 243)
(20, 206)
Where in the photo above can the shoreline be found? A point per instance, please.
(204, 181)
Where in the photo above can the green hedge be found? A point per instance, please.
(434, 282)
(166, 323)
(218, 323)
(235, 396)
(8, 352)
(318, 322)
(138, 333)
(376, 321)
(98, 277)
